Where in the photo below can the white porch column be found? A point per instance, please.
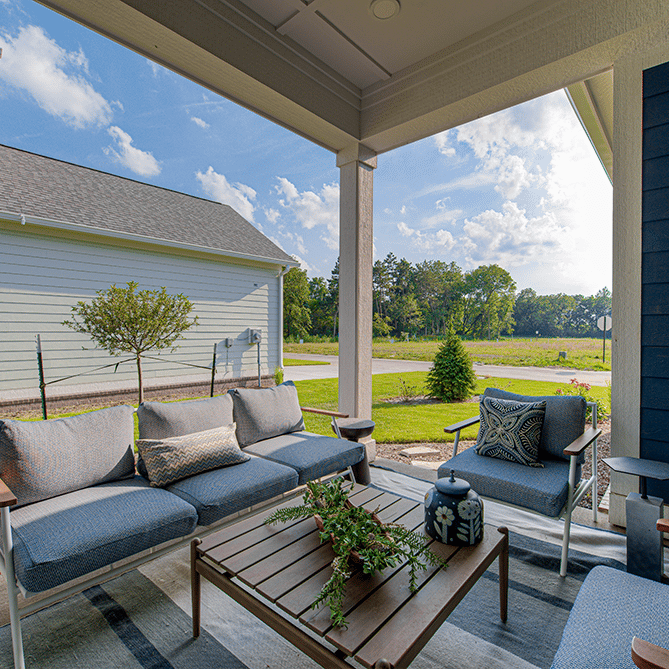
(627, 209)
(356, 180)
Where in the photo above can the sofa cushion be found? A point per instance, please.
(266, 412)
(221, 492)
(160, 420)
(612, 607)
(542, 490)
(563, 423)
(311, 455)
(65, 537)
(42, 459)
(174, 458)
(511, 430)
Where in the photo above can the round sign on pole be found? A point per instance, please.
(604, 323)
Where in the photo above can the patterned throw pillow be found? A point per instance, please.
(511, 430)
(174, 458)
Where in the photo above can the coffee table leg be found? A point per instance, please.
(195, 587)
(504, 575)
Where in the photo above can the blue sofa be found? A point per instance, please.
(75, 501)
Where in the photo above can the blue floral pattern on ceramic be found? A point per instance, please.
(453, 512)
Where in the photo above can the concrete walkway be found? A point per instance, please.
(392, 366)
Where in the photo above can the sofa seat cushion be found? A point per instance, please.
(542, 490)
(612, 607)
(43, 459)
(311, 455)
(221, 492)
(65, 537)
(564, 420)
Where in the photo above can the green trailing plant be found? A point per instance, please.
(278, 376)
(452, 377)
(359, 540)
(124, 320)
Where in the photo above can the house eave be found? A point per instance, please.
(24, 219)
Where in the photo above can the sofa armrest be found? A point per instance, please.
(647, 655)
(581, 443)
(325, 412)
(663, 525)
(467, 422)
(7, 497)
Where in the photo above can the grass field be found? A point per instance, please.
(580, 353)
(405, 423)
(294, 362)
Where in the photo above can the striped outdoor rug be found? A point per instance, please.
(142, 619)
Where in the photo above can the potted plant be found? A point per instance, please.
(359, 540)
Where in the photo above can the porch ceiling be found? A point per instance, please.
(332, 72)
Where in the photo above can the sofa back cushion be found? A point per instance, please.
(266, 412)
(564, 420)
(174, 458)
(158, 420)
(43, 459)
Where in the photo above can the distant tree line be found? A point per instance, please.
(427, 298)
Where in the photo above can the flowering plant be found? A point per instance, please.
(577, 387)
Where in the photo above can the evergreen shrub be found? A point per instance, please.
(452, 377)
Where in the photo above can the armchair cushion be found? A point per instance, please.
(173, 458)
(511, 430)
(542, 490)
(611, 607)
(266, 412)
(564, 420)
(43, 459)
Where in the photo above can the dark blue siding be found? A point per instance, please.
(655, 273)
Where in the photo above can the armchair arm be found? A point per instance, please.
(325, 412)
(467, 422)
(7, 497)
(647, 655)
(581, 443)
(663, 525)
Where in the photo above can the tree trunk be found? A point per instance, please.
(139, 379)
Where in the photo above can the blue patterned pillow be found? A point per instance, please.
(175, 458)
(511, 430)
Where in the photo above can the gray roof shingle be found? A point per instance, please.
(46, 188)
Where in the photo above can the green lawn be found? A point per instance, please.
(403, 424)
(407, 423)
(294, 362)
(581, 353)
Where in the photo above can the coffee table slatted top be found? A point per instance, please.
(287, 565)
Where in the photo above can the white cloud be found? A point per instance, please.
(198, 121)
(140, 162)
(509, 237)
(312, 210)
(55, 78)
(303, 263)
(442, 140)
(403, 210)
(427, 242)
(238, 196)
(272, 215)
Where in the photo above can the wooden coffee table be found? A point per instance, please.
(287, 565)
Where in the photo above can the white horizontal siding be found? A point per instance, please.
(43, 276)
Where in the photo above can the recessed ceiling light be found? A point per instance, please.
(385, 9)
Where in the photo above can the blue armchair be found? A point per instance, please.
(554, 489)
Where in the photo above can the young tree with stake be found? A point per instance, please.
(124, 320)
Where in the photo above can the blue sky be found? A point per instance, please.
(522, 188)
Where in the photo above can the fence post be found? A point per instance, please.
(42, 385)
(213, 371)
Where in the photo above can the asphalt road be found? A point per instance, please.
(390, 366)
